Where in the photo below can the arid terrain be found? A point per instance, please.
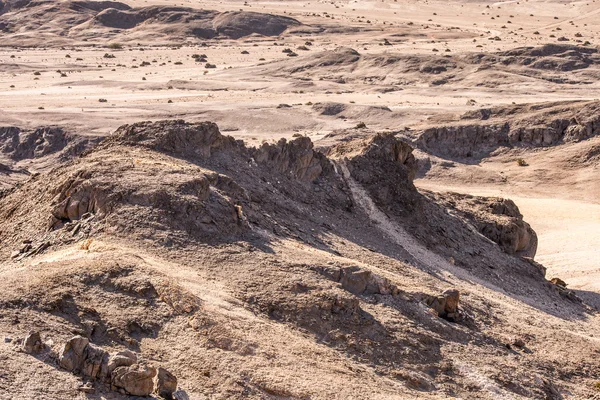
(394, 199)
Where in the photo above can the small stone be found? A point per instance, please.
(33, 343)
(166, 383)
(86, 388)
(7, 339)
(518, 343)
(121, 359)
(137, 380)
(559, 282)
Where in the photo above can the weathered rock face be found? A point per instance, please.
(165, 384)
(446, 304)
(549, 127)
(464, 141)
(176, 137)
(72, 355)
(19, 145)
(497, 219)
(237, 24)
(296, 157)
(121, 369)
(33, 343)
(136, 380)
(112, 18)
(384, 165)
(558, 57)
(359, 281)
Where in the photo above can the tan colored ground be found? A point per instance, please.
(268, 325)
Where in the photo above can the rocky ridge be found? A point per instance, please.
(284, 234)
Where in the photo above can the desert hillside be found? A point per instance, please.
(299, 200)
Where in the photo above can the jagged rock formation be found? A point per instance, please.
(121, 369)
(227, 257)
(17, 144)
(497, 219)
(537, 126)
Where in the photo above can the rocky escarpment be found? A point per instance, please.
(179, 182)
(17, 144)
(176, 181)
(385, 168)
(497, 219)
(176, 242)
(484, 131)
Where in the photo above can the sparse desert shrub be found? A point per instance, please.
(209, 65)
(108, 55)
(102, 100)
(115, 46)
(37, 73)
(521, 162)
(361, 125)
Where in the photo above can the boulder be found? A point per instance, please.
(559, 282)
(33, 343)
(124, 358)
(359, 281)
(72, 354)
(165, 384)
(94, 361)
(355, 280)
(136, 380)
(446, 304)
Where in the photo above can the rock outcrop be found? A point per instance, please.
(446, 304)
(497, 219)
(541, 126)
(297, 158)
(121, 369)
(33, 343)
(18, 144)
(359, 281)
(136, 379)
